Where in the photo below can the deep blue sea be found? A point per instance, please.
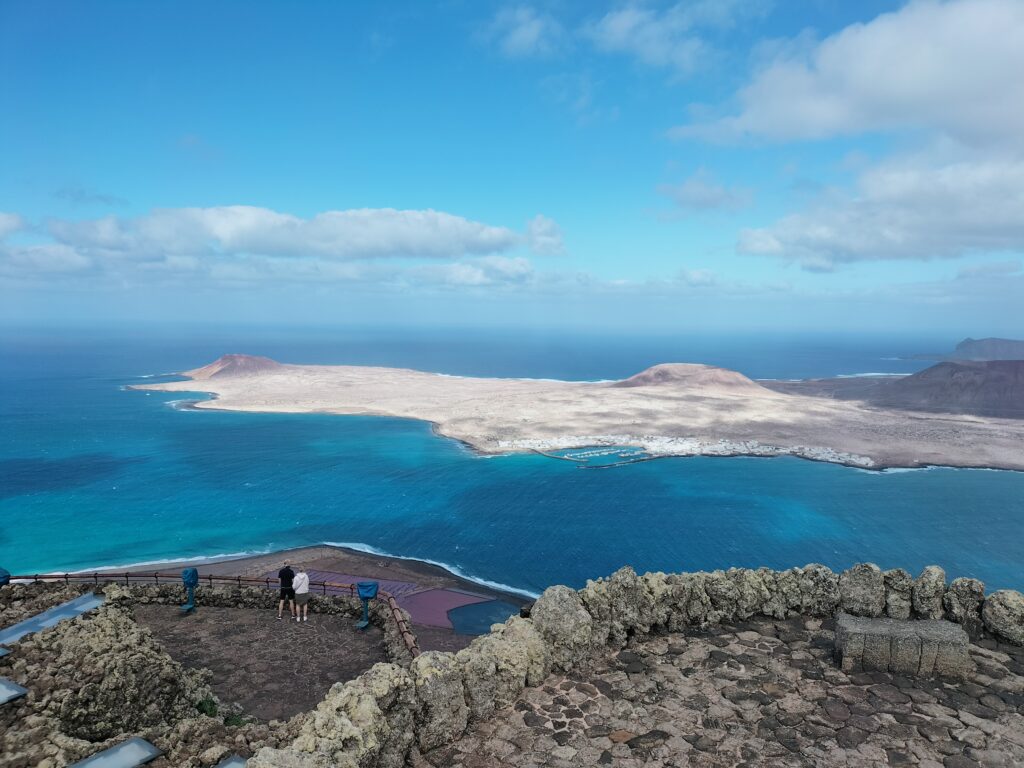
(92, 474)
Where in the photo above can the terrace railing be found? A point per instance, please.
(145, 577)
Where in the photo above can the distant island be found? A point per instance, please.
(675, 409)
(981, 350)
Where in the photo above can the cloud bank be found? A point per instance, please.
(246, 242)
(953, 67)
(942, 76)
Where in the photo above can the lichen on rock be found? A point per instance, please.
(620, 606)
(963, 601)
(899, 586)
(928, 591)
(819, 590)
(566, 626)
(862, 590)
(441, 712)
(1003, 613)
(367, 721)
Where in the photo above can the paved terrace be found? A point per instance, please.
(273, 669)
(757, 693)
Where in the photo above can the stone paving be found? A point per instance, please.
(756, 693)
(272, 669)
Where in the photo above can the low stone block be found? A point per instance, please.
(905, 656)
(902, 647)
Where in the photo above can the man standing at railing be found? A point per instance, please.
(286, 576)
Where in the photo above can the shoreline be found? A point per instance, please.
(770, 452)
(367, 561)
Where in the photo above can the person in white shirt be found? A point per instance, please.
(301, 586)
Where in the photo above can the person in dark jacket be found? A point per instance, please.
(286, 575)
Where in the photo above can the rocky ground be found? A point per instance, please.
(755, 693)
(104, 677)
(284, 667)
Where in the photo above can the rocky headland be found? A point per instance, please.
(992, 388)
(982, 349)
(676, 409)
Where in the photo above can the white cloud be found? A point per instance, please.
(522, 31)
(243, 244)
(669, 38)
(698, 278)
(701, 192)
(905, 209)
(953, 67)
(11, 223)
(990, 269)
(41, 260)
(246, 230)
(485, 270)
(544, 236)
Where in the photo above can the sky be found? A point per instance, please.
(709, 165)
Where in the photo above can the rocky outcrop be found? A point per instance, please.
(862, 590)
(928, 591)
(21, 601)
(1003, 614)
(92, 679)
(366, 722)
(962, 601)
(442, 713)
(619, 606)
(899, 587)
(497, 666)
(566, 626)
(819, 590)
(128, 681)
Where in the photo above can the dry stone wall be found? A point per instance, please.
(376, 720)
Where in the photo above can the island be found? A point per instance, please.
(673, 409)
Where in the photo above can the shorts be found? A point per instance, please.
(287, 593)
(302, 598)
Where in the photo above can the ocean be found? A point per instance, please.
(93, 474)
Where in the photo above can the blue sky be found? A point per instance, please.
(725, 165)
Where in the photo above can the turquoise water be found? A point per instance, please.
(91, 474)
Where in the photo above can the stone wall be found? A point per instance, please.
(376, 720)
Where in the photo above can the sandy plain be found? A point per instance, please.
(673, 409)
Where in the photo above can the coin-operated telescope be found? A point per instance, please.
(367, 591)
(190, 578)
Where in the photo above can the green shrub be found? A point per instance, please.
(207, 707)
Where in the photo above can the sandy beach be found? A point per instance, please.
(667, 410)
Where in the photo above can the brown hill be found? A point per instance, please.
(234, 365)
(691, 376)
(984, 388)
